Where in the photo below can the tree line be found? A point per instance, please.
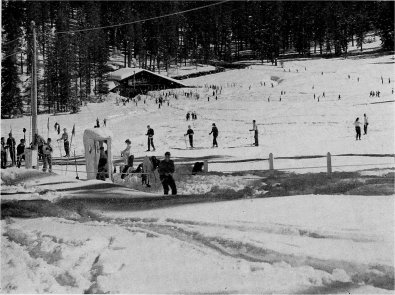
(73, 65)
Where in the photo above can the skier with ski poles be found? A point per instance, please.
(150, 134)
(214, 131)
(65, 138)
(255, 129)
(190, 134)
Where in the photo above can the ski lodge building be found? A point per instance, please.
(132, 81)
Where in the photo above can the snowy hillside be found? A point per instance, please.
(98, 237)
(298, 125)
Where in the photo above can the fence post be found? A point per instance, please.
(329, 164)
(205, 166)
(271, 166)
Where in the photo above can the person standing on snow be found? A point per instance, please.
(214, 131)
(66, 144)
(190, 134)
(365, 124)
(128, 159)
(255, 129)
(47, 156)
(20, 153)
(357, 125)
(150, 134)
(3, 154)
(11, 147)
(102, 167)
(166, 170)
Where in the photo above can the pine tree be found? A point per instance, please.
(11, 101)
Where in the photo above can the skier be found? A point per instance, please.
(47, 156)
(20, 152)
(105, 122)
(214, 131)
(188, 116)
(3, 154)
(166, 170)
(66, 144)
(11, 147)
(150, 134)
(190, 134)
(365, 124)
(97, 123)
(255, 129)
(128, 159)
(357, 125)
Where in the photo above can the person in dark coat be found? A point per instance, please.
(357, 125)
(3, 153)
(190, 134)
(150, 134)
(20, 153)
(11, 147)
(166, 170)
(102, 166)
(214, 131)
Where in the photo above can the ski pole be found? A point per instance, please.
(76, 171)
(185, 139)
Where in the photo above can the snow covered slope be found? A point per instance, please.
(300, 244)
(298, 125)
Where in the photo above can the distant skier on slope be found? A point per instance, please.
(214, 131)
(190, 134)
(255, 129)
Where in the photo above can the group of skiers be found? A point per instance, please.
(374, 93)
(98, 123)
(165, 168)
(45, 149)
(358, 124)
(191, 115)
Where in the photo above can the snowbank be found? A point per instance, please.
(281, 245)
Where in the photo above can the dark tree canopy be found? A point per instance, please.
(74, 65)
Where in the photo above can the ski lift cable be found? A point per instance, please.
(142, 20)
(3, 57)
(9, 42)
